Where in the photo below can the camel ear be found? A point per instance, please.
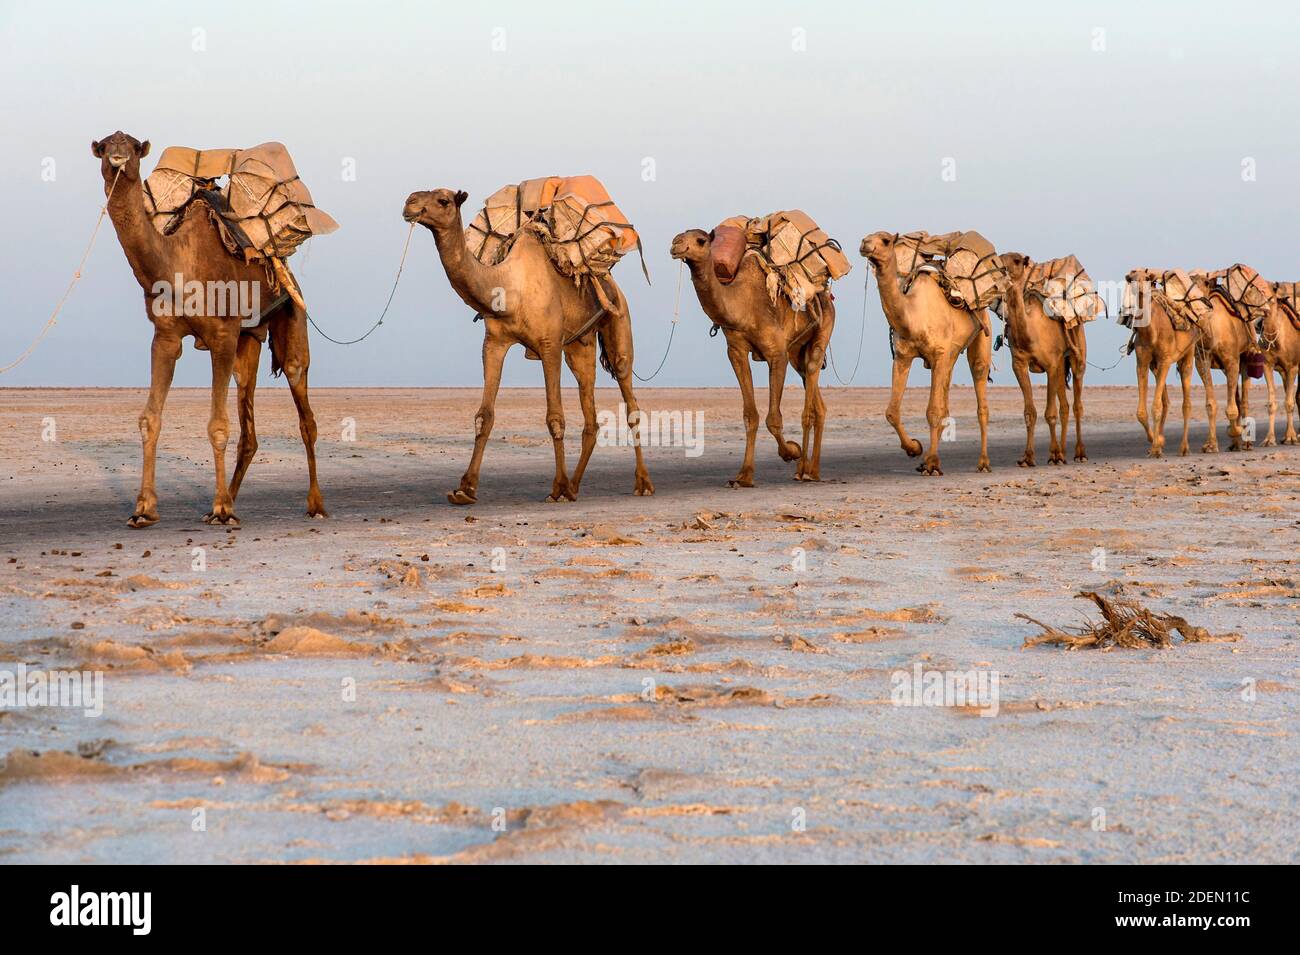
(97, 149)
(144, 149)
(461, 197)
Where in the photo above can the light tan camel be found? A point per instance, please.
(195, 252)
(772, 333)
(1158, 346)
(1040, 343)
(1281, 336)
(926, 325)
(1225, 340)
(525, 300)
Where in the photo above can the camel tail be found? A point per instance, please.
(604, 354)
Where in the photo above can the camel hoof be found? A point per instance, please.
(225, 520)
(1268, 443)
(791, 452)
(741, 481)
(644, 488)
(1027, 462)
(1291, 440)
(1157, 453)
(141, 521)
(914, 449)
(984, 467)
(1080, 457)
(1184, 451)
(319, 514)
(462, 496)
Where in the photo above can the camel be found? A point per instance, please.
(1158, 346)
(1224, 341)
(772, 333)
(195, 251)
(1041, 343)
(525, 300)
(925, 324)
(1281, 337)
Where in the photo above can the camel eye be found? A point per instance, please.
(442, 202)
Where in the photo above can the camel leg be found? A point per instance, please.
(1080, 453)
(1205, 372)
(560, 487)
(1159, 407)
(979, 356)
(1143, 370)
(893, 413)
(739, 359)
(582, 362)
(937, 410)
(223, 366)
(1289, 375)
(248, 353)
(1020, 367)
(814, 418)
(1185, 376)
(1063, 403)
(788, 450)
(618, 341)
(494, 356)
(1233, 411)
(1055, 390)
(297, 361)
(1270, 438)
(163, 353)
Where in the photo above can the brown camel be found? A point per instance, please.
(194, 250)
(525, 300)
(1040, 343)
(1281, 337)
(1225, 340)
(772, 333)
(926, 325)
(1158, 346)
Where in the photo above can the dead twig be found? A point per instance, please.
(1124, 623)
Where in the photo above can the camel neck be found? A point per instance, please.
(891, 299)
(711, 292)
(472, 280)
(142, 243)
(1017, 318)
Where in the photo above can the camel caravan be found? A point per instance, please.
(209, 232)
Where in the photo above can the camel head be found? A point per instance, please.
(878, 247)
(1017, 265)
(435, 209)
(1139, 276)
(119, 154)
(693, 245)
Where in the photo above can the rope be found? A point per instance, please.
(862, 334)
(677, 311)
(401, 265)
(76, 277)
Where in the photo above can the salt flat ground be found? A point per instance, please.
(640, 679)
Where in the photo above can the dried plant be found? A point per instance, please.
(1124, 623)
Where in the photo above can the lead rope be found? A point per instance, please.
(76, 277)
(401, 265)
(677, 311)
(862, 334)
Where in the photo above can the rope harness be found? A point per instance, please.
(76, 277)
(401, 265)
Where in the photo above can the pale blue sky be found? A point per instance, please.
(1128, 156)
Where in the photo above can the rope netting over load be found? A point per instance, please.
(582, 229)
(263, 211)
(964, 263)
(798, 257)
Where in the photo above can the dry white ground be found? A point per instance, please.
(660, 679)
